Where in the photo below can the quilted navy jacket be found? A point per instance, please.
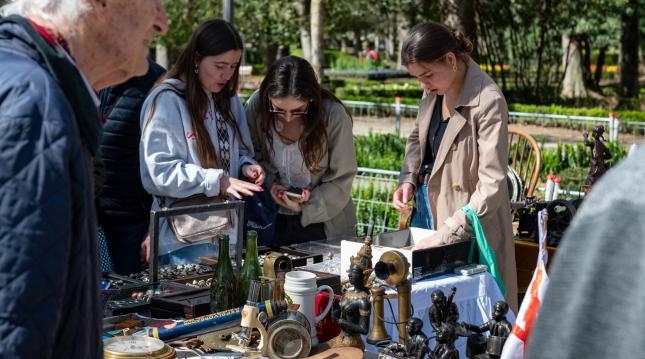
(49, 273)
(122, 195)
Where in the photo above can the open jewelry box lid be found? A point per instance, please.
(424, 263)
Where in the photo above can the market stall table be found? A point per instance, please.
(475, 297)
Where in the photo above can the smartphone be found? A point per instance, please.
(294, 193)
(471, 269)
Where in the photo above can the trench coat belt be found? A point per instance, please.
(422, 178)
(424, 173)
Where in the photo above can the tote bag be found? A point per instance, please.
(486, 254)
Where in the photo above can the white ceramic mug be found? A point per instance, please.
(301, 287)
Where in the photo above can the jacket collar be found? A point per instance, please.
(54, 60)
(473, 83)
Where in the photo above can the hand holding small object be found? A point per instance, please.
(279, 194)
(254, 173)
(402, 196)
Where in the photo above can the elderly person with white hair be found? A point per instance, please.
(55, 55)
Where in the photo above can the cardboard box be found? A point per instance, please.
(424, 263)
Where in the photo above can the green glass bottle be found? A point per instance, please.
(251, 269)
(224, 283)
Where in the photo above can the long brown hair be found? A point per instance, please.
(292, 76)
(213, 37)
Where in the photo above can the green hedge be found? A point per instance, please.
(636, 116)
(569, 161)
(410, 92)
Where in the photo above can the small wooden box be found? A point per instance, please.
(526, 259)
(182, 305)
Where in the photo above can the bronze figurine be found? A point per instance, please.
(443, 310)
(499, 329)
(598, 164)
(353, 312)
(445, 348)
(416, 343)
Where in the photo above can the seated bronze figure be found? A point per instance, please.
(353, 312)
(499, 329)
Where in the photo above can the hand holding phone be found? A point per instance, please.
(294, 193)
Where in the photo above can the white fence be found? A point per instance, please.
(612, 124)
(372, 194)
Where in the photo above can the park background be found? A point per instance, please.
(564, 67)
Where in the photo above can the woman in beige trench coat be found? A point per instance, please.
(457, 152)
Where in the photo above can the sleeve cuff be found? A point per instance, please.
(212, 182)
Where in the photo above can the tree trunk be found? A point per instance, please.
(305, 36)
(317, 38)
(460, 15)
(268, 52)
(541, 45)
(356, 43)
(600, 63)
(573, 85)
(402, 28)
(629, 45)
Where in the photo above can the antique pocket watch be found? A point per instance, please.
(135, 347)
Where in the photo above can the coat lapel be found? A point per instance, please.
(469, 97)
(424, 122)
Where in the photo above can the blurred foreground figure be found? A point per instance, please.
(55, 55)
(593, 307)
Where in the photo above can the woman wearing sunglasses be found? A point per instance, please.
(302, 135)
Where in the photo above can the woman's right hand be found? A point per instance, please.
(279, 195)
(237, 187)
(402, 196)
(255, 173)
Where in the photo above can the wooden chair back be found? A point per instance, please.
(525, 158)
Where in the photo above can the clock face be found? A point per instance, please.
(133, 345)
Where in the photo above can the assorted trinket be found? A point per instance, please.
(173, 272)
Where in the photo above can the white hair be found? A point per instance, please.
(53, 11)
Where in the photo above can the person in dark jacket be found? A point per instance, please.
(123, 204)
(54, 56)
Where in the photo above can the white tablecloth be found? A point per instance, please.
(475, 297)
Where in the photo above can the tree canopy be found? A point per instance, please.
(528, 46)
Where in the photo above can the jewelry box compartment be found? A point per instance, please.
(175, 272)
(298, 257)
(196, 282)
(195, 303)
(136, 299)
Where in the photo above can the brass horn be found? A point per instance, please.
(392, 268)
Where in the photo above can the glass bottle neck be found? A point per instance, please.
(251, 247)
(223, 248)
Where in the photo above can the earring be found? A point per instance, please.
(196, 69)
(454, 68)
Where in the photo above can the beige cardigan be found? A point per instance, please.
(330, 201)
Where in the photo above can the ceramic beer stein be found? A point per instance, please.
(301, 287)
